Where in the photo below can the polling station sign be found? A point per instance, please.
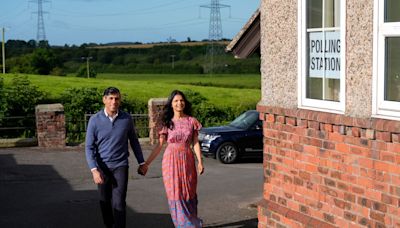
(324, 49)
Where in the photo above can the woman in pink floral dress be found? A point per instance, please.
(180, 130)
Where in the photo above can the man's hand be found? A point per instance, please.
(97, 176)
(142, 170)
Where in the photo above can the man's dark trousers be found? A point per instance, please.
(113, 196)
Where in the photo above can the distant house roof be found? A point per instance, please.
(247, 41)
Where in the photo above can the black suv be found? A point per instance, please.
(242, 137)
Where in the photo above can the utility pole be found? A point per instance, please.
(173, 60)
(87, 65)
(3, 52)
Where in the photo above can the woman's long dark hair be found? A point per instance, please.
(169, 112)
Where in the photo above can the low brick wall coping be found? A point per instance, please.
(50, 108)
(331, 118)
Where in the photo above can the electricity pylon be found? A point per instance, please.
(215, 30)
(41, 34)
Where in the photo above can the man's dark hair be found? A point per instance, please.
(111, 90)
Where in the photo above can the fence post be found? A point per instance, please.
(50, 125)
(156, 108)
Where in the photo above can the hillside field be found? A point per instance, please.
(222, 90)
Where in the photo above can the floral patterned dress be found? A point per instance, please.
(180, 173)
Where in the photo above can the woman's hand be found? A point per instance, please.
(200, 168)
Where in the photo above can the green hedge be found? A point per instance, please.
(20, 98)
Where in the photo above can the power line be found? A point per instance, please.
(141, 11)
(177, 24)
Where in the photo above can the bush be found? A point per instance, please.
(77, 102)
(58, 71)
(194, 97)
(80, 101)
(133, 106)
(3, 104)
(210, 115)
(21, 97)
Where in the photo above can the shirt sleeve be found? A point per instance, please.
(163, 132)
(134, 142)
(90, 144)
(196, 124)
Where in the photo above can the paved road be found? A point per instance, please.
(53, 188)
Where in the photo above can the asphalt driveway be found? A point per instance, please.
(53, 188)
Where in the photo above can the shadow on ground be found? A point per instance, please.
(250, 160)
(37, 196)
(240, 224)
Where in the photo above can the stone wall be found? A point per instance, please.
(156, 107)
(50, 125)
(329, 170)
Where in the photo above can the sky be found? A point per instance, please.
(74, 22)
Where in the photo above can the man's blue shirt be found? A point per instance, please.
(107, 141)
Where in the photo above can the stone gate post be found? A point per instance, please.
(156, 107)
(50, 125)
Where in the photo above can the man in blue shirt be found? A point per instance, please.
(107, 137)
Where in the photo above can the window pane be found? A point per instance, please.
(332, 13)
(323, 89)
(314, 88)
(314, 14)
(392, 69)
(392, 11)
(332, 89)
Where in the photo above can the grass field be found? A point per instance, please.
(197, 43)
(221, 90)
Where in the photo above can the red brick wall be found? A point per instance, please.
(329, 170)
(50, 125)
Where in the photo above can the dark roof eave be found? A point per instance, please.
(247, 41)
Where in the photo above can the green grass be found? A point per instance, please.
(249, 81)
(221, 90)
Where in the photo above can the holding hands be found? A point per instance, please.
(142, 170)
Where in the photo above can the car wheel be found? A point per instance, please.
(227, 153)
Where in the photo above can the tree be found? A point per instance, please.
(43, 44)
(185, 54)
(43, 61)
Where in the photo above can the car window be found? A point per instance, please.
(245, 120)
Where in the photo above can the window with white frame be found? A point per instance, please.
(386, 90)
(321, 55)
